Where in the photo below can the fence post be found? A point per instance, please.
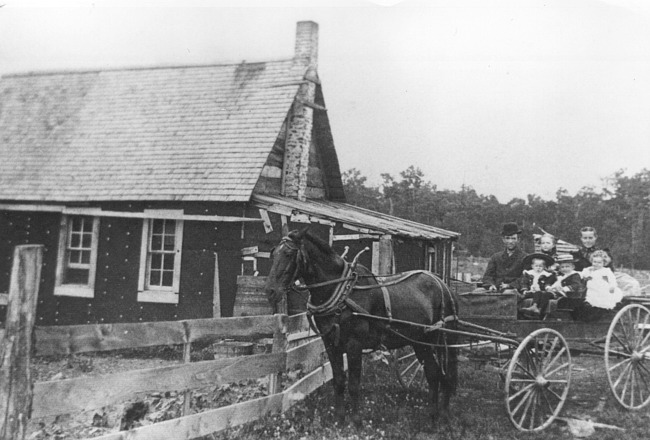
(16, 346)
(280, 345)
(187, 395)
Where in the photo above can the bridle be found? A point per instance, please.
(344, 284)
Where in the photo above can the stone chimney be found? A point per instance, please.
(301, 117)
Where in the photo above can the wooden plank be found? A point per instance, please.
(244, 327)
(348, 237)
(280, 344)
(306, 386)
(322, 221)
(308, 355)
(250, 250)
(15, 349)
(264, 214)
(187, 396)
(31, 208)
(205, 423)
(216, 289)
(385, 255)
(301, 335)
(359, 229)
(98, 212)
(101, 337)
(297, 323)
(84, 393)
(276, 208)
(375, 257)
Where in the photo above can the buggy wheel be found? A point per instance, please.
(538, 380)
(408, 368)
(627, 356)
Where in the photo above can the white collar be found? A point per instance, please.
(535, 274)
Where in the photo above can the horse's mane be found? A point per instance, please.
(318, 242)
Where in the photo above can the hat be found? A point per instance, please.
(510, 229)
(566, 258)
(528, 259)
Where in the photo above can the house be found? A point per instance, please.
(154, 189)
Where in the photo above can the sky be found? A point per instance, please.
(510, 97)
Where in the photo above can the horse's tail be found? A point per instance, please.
(450, 378)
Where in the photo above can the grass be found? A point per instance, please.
(389, 412)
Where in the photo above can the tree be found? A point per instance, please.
(619, 211)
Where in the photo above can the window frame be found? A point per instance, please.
(159, 294)
(62, 264)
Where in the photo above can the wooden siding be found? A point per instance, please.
(118, 259)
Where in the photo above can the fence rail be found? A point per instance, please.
(58, 397)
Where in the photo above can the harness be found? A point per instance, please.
(340, 298)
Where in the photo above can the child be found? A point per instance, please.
(534, 283)
(569, 286)
(602, 289)
(547, 246)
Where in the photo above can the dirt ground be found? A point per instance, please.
(148, 409)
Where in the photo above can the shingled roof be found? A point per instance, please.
(197, 133)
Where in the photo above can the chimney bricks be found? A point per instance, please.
(307, 42)
(301, 119)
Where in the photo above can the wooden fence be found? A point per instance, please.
(18, 403)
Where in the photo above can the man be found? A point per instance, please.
(505, 268)
(588, 237)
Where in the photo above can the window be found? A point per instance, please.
(160, 260)
(77, 257)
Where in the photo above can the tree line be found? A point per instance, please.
(618, 210)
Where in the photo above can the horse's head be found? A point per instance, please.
(286, 264)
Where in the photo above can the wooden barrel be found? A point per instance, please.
(250, 299)
(232, 349)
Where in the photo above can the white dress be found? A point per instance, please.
(599, 283)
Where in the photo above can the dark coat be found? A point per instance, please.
(504, 268)
(573, 286)
(546, 279)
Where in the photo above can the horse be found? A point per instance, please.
(352, 311)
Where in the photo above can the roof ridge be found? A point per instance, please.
(135, 68)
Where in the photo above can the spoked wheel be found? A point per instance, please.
(409, 370)
(627, 356)
(538, 380)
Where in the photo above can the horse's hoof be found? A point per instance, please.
(443, 418)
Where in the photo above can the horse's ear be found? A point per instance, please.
(303, 232)
(285, 230)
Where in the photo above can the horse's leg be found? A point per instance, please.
(354, 351)
(335, 355)
(449, 380)
(432, 373)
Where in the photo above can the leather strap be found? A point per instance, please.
(389, 311)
